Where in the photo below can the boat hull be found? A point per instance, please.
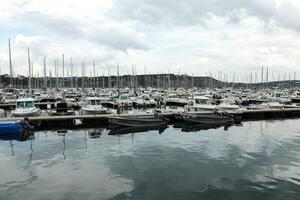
(31, 113)
(10, 128)
(137, 122)
(210, 119)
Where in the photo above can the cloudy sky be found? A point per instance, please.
(192, 36)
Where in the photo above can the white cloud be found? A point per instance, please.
(197, 37)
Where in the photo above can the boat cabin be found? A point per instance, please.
(25, 103)
(93, 101)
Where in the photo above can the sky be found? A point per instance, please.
(197, 37)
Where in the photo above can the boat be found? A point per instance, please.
(14, 130)
(174, 105)
(62, 109)
(25, 108)
(202, 103)
(295, 98)
(93, 106)
(206, 118)
(145, 121)
(10, 127)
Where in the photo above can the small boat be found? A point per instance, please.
(148, 121)
(295, 98)
(10, 127)
(25, 108)
(62, 109)
(209, 118)
(14, 130)
(93, 106)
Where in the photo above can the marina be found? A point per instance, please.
(149, 100)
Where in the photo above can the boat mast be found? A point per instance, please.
(10, 64)
(118, 76)
(94, 78)
(45, 73)
(29, 74)
(72, 73)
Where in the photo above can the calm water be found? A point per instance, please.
(260, 160)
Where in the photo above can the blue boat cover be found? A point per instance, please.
(10, 127)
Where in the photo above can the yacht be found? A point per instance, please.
(25, 108)
(174, 105)
(295, 98)
(202, 103)
(93, 106)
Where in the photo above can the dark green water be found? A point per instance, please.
(260, 160)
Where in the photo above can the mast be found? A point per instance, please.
(29, 76)
(63, 71)
(94, 78)
(109, 77)
(262, 75)
(72, 73)
(267, 77)
(169, 79)
(118, 76)
(45, 73)
(10, 64)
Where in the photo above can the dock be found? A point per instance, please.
(46, 122)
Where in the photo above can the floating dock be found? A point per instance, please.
(92, 120)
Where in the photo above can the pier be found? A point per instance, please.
(50, 122)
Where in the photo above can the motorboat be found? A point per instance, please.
(93, 106)
(295, 98)
(144, 121)
(14, 130)
(205, 118)
(202, 103)
(25, 108)
(174, 105)
(62, 109)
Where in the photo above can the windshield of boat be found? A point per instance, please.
(123, 97)
(26, 104)
(95, 102)
(201, 101)
(179, 104)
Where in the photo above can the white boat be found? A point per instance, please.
(174, 105)
(25, 108)
(272, 105)
(280, 97)
(93, 106)
(295, 98)
(202, 103)
(228, 107)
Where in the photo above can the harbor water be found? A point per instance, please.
(257, 160)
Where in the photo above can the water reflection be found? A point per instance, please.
(198, 127)
(259, 160)
(95, 133)
(128, 130)
(19, 136)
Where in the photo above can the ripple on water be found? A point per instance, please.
(259, 160)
